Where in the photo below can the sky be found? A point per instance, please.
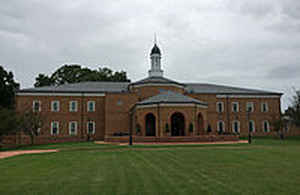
(252, 44)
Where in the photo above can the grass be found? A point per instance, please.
(268, 166)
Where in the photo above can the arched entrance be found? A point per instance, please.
(150, 124)
(200, 124)
(177, 124)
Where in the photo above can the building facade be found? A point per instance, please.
(154, 107)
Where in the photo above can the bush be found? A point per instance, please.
(167, 128)
(191, 127)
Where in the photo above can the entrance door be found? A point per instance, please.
(177, 124)
(150, 124)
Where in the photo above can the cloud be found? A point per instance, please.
(252, 44)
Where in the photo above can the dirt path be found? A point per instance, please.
(14, 153)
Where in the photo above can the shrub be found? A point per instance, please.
(167, 128)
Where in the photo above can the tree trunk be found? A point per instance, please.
(31, 139)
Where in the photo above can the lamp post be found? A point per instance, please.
(249, 132)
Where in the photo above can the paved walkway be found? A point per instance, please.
(176, 143)
(14, 153)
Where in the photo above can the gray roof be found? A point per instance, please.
(170, 97)
(205, 88)
(158, 80)
(102, 87)
(87, 87)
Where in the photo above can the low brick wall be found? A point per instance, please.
(202, 138)
(11, 141)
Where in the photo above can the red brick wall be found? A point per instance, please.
(64, 116)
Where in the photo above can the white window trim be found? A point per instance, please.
(239, 126)
(52, 106)
(218, 126)
(232, 106)
(70, 126)
(263, 126)
(70, 106)
(253, 125)
(52, 123)
(252, 105)
(94, 127)
(217, 106)
(262, 107)
(33, 105)
(94, 107)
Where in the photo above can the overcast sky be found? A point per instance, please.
(254, 44)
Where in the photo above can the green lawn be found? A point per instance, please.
(268, 166)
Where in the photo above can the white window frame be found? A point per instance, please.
(262, 107)
(237, 107)
(252, 106)
(222, 107)
(239, 126)
(268, 125)
(52, 106)
(76, 106)
(94, 127)
(52, 124)
(33, 105)
(218, 126)
(253, 125)
(70, 127)
(88, 106)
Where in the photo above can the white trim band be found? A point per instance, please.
(62, 94)
(157, 84)
(248, 96)
(171, 105)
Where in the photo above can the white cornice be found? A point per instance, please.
(158, 84)
(248, 96)
(171, 105)
(61, 94)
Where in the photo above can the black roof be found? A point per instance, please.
(170, 97)
(155, 50)
(102, 87)
(156, 80)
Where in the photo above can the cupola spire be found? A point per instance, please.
(155, 57)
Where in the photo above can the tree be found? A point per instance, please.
(30, 123)
(8, 88)
(293, 111)
(279, 124)
(43, 80)
(9, 122)
(76, 73)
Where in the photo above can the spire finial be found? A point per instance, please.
(155, 40)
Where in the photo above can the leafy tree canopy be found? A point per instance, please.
(293, 111)
(8, 88)
(76, 73)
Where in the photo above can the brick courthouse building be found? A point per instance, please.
(153, 109)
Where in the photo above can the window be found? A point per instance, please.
(266, 126)
(249, 107)
(91, 106)
(220, 106)
(251, 126)
(55, 106)
(54, 128)
(236, 126)
(235, 106)
(36, 106)
(73, 128)
(91, 127)
(73, 106)
(221, 126)
(264, 107)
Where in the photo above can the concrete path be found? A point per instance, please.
(19, 152)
